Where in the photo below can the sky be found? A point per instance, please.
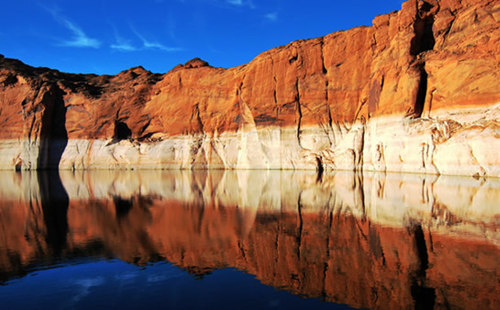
(109, 36)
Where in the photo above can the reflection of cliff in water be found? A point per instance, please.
(378, 241)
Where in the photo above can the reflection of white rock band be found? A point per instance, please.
(443, 204)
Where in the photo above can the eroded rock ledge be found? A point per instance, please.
(418, 92)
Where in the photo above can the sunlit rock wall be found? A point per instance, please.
(417, 91)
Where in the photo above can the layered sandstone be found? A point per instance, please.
(366, 240)
(417, 91)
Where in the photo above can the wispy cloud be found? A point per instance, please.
(159, 46)
(124, 47)
(241, 3)
(79, 37)
(271, 16)
(154, 45)
(171, 27)
(121, 44)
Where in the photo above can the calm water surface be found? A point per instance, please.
(248, 240)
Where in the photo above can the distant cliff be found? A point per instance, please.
(418, 92)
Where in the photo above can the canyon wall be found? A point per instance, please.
(367, 240)
(417, 91)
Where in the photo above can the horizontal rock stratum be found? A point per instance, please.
(418, 91)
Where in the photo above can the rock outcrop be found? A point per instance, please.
(418, 92)
(367, 240)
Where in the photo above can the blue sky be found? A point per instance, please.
(108, 36)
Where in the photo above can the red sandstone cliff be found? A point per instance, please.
(418, 91)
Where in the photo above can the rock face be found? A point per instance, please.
(418, 92)
(366, 240)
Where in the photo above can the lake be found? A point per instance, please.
(248, 240)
